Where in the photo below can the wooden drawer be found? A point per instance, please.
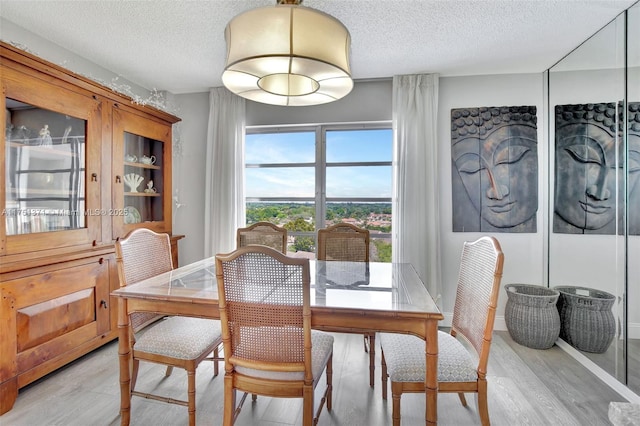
(48, 317)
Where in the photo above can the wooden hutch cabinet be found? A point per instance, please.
(81, 167)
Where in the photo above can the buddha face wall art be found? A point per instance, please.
(494, 154)
(590, 171)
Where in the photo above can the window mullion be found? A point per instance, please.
(321, 177)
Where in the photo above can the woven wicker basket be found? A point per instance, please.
(586, 319)
(531, 315)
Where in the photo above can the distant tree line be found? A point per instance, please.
(286, 212)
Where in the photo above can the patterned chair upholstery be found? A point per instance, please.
(173, 341)
(269, 347)
(346, 242)
(406, 363)
(403, 356)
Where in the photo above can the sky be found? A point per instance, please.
(371, 145)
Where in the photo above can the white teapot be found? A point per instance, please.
(148, 160)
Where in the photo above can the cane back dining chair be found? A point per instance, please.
(269, 347)
(264, 233)
(173, 341)
(347, 242)
(403, 356)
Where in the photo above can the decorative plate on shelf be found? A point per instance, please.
(132, 215)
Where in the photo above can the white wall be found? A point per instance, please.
(524, 255)
(368, 101)
(190, 149)
(54, 53)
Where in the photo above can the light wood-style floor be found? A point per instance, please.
(611, 361)
(526, 387)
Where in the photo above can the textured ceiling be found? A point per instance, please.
(179, 45)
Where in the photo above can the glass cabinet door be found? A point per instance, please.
(142, 179)
(45, 170)
(50, 174)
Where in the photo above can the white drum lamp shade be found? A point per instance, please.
(289, 55)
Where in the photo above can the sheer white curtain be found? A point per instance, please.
(224, 186)
(416, 223)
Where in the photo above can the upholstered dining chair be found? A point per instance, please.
(403, 356)
(269, 347)
(264, 233)
(173, 341)
(347, 242)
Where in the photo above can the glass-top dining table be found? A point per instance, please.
(353, 297)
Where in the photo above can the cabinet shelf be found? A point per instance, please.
(142, 165)
(142, 194)
(37, 193)
(39, 151)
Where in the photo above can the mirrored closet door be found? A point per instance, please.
(594, 197)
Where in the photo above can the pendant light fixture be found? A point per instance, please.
(287, 54)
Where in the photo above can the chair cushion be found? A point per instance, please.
(405, 358)
(321, 350)
(179, 337)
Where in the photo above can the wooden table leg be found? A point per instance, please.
(124, 356)
(431, 378)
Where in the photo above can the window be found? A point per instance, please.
(307, 178)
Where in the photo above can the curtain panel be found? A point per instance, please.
(224, 208)
(416, 222)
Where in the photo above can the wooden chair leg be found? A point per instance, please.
(384, 376)
(169, 371)
(229, 402)
(372, 359)
(134, 373)
(463, 400)
(483, 407)
(216, 354)
(307, 405)
(396, 393)
(191, 396)
(329, 374)
(326, 396)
